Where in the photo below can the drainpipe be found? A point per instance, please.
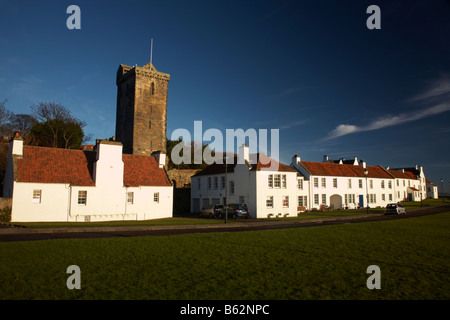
(126, 202)
(69, 206)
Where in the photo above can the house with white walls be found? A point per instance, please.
(350, 185)
(53, 184)
(267, 187)
(410, 183)
(432, 190)
(304, 185)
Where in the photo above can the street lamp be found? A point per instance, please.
(366, 172)
(226, 189)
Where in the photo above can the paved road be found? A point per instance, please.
(28, 234)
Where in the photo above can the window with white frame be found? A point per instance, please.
(82, 197)
(324, 199)
(334, 182)
(156, 197)
(360, 183)
(383, 197)
(270, 181)
(390, 197)
(37, 196)
(390, 184)
(316, 182)
(316, 199)
(349, 183)
(130, 197)
(382, 184)
(302, 201)
(231, 187)
(300, 184)
(349, 198)
(276, 181)
(324, 183)
(371, 184)
(353, 198)
(285, 201)
(269, 202)
(283, 181)
(216, 183)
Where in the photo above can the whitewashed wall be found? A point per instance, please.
(106, 201)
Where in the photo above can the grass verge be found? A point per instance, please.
(327, 262)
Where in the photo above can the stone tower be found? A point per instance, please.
(141, 120)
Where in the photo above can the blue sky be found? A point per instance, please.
(311, 69)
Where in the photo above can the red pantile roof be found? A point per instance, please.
(398, 174)
(54, 165)
(263, 162)
(343, 170)
(75, 167)
(143, 171)
(266, 163)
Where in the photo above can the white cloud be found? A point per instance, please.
(438, 94)
(290, 91)
(387, 121)
(342, 130)
(292, 124)
(438, 88)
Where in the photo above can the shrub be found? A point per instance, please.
(5, 214)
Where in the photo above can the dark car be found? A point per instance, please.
(213, 210)
(395, 208)
(236, 211)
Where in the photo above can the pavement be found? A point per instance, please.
(30, 234)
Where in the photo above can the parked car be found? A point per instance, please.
(236, 210)
(213, 210)
(395, 208)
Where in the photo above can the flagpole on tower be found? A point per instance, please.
(151, 51)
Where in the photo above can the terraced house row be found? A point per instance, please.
(305, 185)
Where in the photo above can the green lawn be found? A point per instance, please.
(327, 262)
(191, 221)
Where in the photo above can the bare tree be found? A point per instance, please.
(58, 125)
(5, 117)
(22, 123)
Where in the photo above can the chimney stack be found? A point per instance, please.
(160, 158)
(16, 145)
(244, 154)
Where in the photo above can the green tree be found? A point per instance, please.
(57, 127)
(170, 144)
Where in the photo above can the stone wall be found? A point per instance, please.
(5, 202)
(181, 178)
